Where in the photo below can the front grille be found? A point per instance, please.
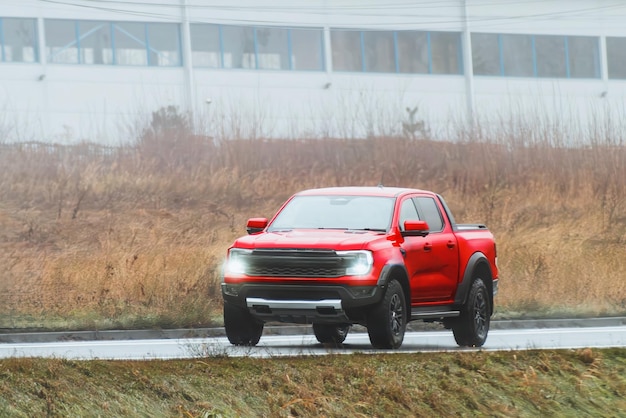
(295, 271)
(295, 263)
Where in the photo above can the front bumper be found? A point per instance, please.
(302, 303)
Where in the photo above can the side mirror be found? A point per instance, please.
(415, 229)
(256, 225)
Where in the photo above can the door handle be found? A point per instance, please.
(451, 244)
(428, 246)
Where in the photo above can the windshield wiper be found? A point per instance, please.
(368, 229)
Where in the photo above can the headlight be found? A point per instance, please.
(358, 263)
(236, 262)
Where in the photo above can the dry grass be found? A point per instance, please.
(134, 236)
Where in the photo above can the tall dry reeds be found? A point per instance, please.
(135, 235)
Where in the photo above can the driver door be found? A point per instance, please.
(432, 262)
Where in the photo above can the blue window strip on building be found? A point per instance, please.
(151, 51)
(113, 30)
(257, 61)
(566, 57)
(396, 66)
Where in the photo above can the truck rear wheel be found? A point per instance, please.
(386, 323)
(331, 333)
(470, 329)
(241, 327)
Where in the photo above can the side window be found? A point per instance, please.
(430, 213)
(407, 212)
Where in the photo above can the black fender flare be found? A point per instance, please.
(396, 271)
(478, 264)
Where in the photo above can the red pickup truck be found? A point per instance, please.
(374, 256)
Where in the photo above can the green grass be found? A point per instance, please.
(561, 383)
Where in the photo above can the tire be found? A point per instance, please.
(241, 327)
(470, 329)
(331, 333)
(386, 323)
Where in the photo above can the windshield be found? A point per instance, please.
(335, 212)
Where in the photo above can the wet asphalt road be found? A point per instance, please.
(278, 341)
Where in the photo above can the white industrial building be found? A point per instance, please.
(73, 70)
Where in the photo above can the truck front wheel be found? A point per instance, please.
(241, 327)
(471, 327)
(386, 323)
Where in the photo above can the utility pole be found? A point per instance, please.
(190, 90)
(468, 67)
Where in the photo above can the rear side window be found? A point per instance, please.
(429, 211)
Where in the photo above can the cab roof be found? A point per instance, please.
(361, 191)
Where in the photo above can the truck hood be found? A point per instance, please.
(311, 239)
